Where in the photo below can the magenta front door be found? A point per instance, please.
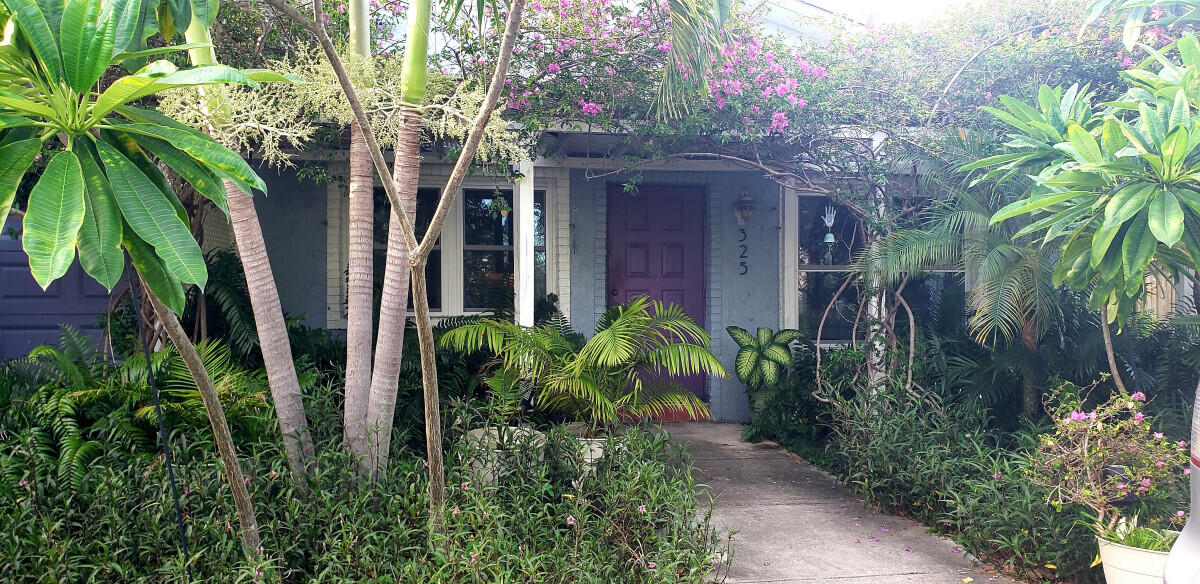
(656, 249)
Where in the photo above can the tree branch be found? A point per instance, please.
(317, 29)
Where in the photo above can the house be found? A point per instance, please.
(704, 234)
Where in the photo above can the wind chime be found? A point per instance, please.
(830, 239)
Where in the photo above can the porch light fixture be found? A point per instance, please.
(743, 207)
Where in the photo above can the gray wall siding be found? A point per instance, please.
(294, 226)
(748, 301)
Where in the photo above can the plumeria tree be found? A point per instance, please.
(102, 195)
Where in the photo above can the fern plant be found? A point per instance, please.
(627, 370)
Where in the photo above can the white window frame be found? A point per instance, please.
(452, 281)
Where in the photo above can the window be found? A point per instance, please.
(471, 269)
(825, 253)
(488, 248)
(427, 200)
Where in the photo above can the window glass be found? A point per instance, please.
(427, 199)
(815, 245)
(488, 248)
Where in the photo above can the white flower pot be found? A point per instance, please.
(1129, 565)
(592, 450)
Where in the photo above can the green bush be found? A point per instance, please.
(538, 524)
(911, 454)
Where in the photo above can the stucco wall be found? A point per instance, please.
(293, 218)
(748, 301)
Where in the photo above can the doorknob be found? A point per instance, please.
(612, 292)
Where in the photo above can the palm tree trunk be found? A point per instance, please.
(216, 419)
(272, 333)
(1031, 397)
(393, 301)
(360, 298)
(264, 300)
(360, 301)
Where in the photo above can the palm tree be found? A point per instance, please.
(264, 295)
(361, 262)
(625, 371)
(1011, 294)
(393, 301)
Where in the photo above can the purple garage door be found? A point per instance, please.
(656, 249)
(29, 316)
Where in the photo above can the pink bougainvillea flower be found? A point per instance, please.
(1160, 464)
(465, 485)
(589, 108)
(1158, 435)
(454, 511)
(1127, 62)
(1138, 396)
(651, 565)
(1181, 444)
(553, 68)
(1181, 514)
(642, 509)
(1145, 482)
(1156, 13)
(1138, 417)
(570, 520)
(996, 475)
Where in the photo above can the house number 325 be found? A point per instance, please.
(743, 263)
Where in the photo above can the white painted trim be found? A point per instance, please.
(789, 245)
(523, 246)
(337, 248)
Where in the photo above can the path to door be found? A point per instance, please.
(795, 524)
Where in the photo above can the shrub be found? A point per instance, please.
(540, 523)
(911, 454)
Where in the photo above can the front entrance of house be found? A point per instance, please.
(656, 249)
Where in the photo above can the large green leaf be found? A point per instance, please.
(1084, 144)
(223, 161)
(1127, 202)
(1175, 147)
(1166, 218)
(129, 20)
(1029, 205)
(100, 237)
(741, 336)
(40, 32)
(55, 214)
(15, 159)
(1137, 248)
(195, 174)
(25, 106)
(205, 11)
(1101, 240)
(150, 214)
(150, 267)
(130, 148)
(85, 42)
(132, 87)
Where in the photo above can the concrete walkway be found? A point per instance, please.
(795, 524)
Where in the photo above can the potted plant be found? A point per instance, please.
(1130, 477)
(625, 372)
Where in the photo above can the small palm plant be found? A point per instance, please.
(627, 370)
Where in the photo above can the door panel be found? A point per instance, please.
(656, 249)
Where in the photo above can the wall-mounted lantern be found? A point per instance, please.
(743, 207)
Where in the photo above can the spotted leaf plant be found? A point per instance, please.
(101, 195)
(764, 356)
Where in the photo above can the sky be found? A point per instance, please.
(890, 11)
